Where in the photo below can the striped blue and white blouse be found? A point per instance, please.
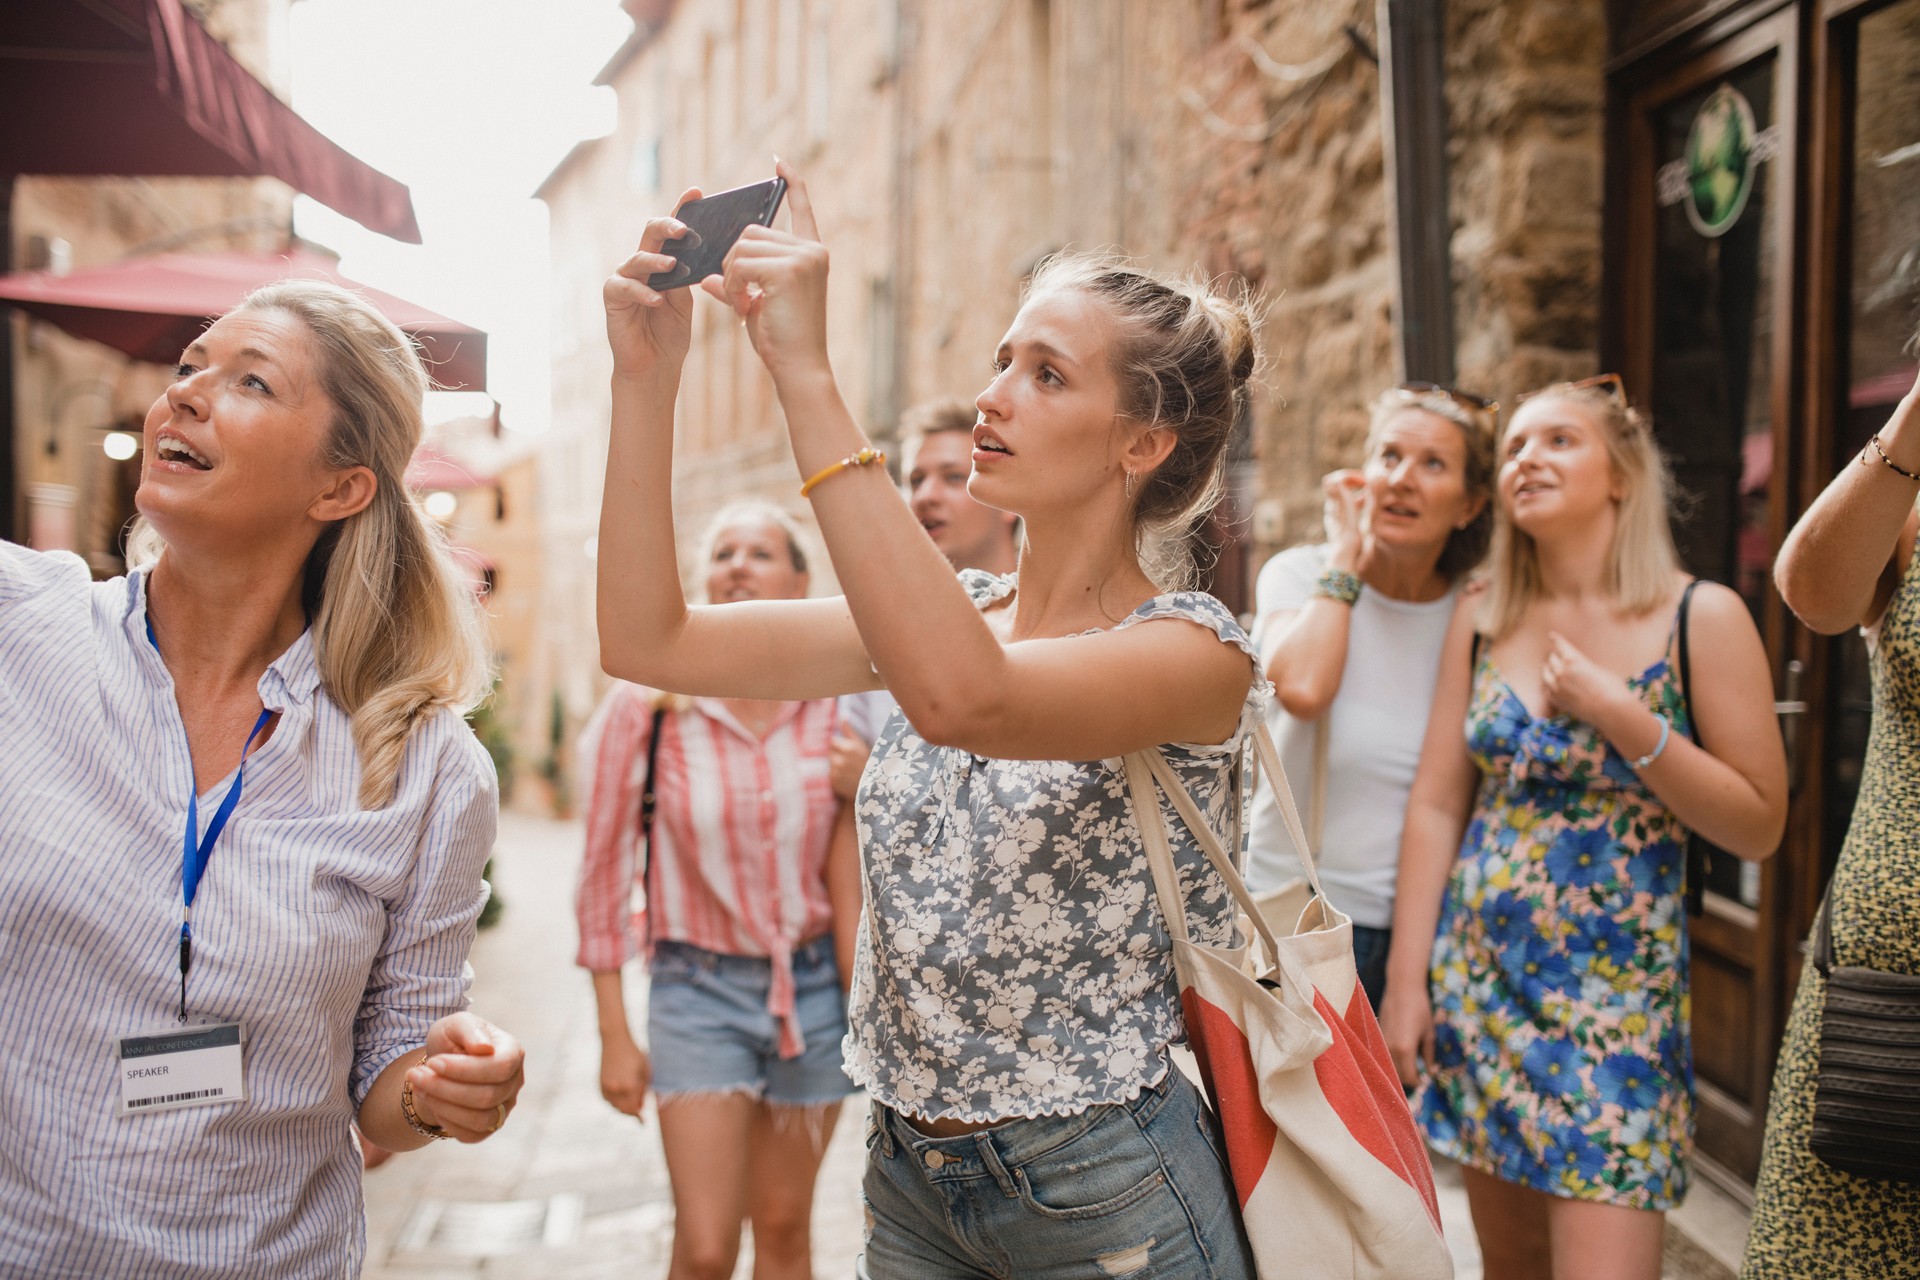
(334, 934)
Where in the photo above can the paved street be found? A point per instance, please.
(573, 1189)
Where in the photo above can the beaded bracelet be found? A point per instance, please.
(863, 458)
(1874, 440)
(414, 1122)
(1338, 584)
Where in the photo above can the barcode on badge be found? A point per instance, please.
(164, 1098)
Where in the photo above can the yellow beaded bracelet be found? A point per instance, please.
(863, 458)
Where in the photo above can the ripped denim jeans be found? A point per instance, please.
(1138, 1189)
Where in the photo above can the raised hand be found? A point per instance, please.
(776, 282)
(647, 329)
(1347, 515)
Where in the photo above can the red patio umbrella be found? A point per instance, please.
(91, 87)
(152, 307)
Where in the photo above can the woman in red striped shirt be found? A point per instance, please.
(745, 1012)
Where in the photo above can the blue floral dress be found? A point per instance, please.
(1559, 978)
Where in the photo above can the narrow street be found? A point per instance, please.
(573, 1189)
(570, 1188)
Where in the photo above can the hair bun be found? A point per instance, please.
(1233, 318)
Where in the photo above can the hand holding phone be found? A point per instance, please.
(713, 224)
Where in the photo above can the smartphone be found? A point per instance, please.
(713, 224)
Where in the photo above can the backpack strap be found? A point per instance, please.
(1698, 858)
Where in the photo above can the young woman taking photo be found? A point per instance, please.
(1541, 885)
(1014, 997)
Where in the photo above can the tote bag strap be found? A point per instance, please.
(1143, 769)
(1317, 797)
(1269, 757)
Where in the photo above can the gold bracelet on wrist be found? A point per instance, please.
(414, 1122)
(1874, 441)
(863, 458)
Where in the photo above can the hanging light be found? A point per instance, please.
(441, 504)
(120, 445)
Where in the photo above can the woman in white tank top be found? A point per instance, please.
(1350, 630)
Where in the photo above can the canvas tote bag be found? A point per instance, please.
(1331, 1173)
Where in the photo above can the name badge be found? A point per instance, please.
(191, 1068)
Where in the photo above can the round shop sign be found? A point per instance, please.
(1720, 161)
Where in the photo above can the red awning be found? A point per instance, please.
(92, 87)
(151, 308)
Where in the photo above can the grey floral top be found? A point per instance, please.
(1021, 965)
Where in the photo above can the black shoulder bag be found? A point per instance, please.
(1866, 1095)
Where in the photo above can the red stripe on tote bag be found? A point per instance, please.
(1356, 1073)
(1226, 1065)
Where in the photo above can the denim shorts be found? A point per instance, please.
(1134, 1189)
(709, 1031)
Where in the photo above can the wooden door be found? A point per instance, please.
(1702, 270)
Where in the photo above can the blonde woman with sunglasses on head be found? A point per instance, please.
(1541, 881)
(1350, 632)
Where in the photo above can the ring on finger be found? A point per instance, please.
(499, 1117)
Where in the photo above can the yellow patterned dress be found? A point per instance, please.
(1811, 1221)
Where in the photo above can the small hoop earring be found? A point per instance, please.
(1128, 482)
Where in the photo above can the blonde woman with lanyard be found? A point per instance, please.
(196, 1018)
(1537, 983)
(1014, 1000)
(1350, 632)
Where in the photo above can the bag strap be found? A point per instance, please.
(649, 802)
(1823, 934)
(1696, 876)
(1269, 757)
(1317, 797)
(1686, 656)
(1143, 769)
(1146, 768)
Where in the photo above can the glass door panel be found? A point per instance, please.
(1716, 255)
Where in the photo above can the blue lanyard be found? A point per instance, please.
(195, 854)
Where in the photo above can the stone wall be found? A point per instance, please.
(953, 146)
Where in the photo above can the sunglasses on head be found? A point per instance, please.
(1465, 399)
(1609, 384)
